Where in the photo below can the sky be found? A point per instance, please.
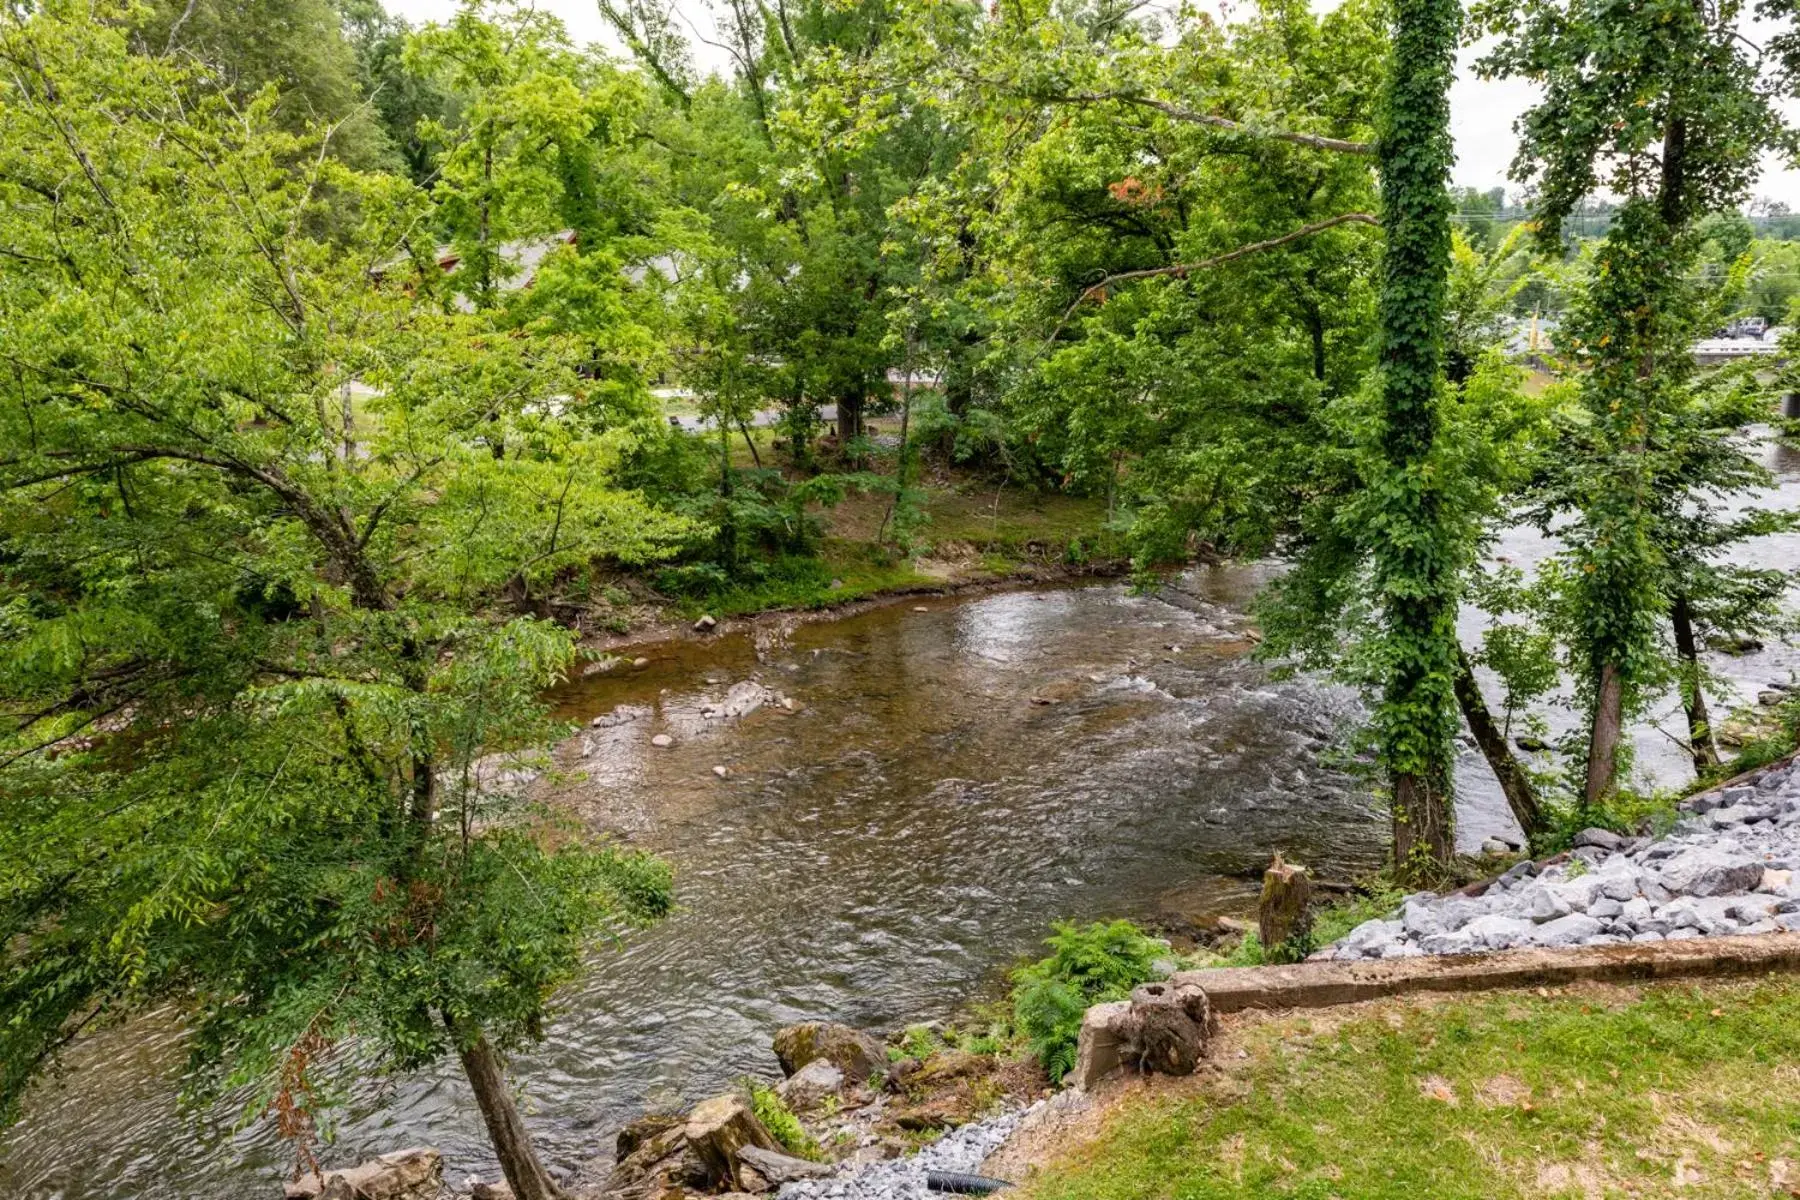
(1481, 111)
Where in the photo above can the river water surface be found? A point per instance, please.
(950, 781)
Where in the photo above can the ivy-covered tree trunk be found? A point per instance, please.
(1633, 327)
(1412, 546)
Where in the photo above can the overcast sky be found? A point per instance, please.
(1481, 112)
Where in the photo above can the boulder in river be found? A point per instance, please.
(857, 1054)
(412, 1174)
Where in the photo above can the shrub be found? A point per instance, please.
(781, 1122)
(1087, 965)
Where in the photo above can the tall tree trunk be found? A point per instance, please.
(1422, 828)
(849, 419)
(1607, 727)
(1515, 784)
(1413, 558)
(1701, 746)
(902, 462)
(1605, 734)
(506, 1129)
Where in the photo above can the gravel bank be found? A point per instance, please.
(904, 1178)
(1728, 867)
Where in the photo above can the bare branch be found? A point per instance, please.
(1181, 270)
(1312, 141)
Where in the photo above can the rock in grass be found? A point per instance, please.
(808, 1087)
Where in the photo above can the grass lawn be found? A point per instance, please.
(1677, 1091)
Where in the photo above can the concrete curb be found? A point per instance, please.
(1324, 984)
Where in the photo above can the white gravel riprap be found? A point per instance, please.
(1728, 867)
(961, 1150)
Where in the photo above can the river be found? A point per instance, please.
(956, 774)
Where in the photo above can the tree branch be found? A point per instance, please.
(1182, 270)
(1312, 141)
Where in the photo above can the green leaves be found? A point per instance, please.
(269, 710)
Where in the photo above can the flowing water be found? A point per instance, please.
(951, 781)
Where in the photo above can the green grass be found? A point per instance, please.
(798, 582)
(1330, 922)
(1682, 1091)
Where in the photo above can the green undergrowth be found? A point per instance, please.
(1330, 921)
(781, 1122)
(920, 1042)
(840, 573)
(1087, 965)
(1680, 1091)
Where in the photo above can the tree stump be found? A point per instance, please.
(717, 1130)
(1282, 917)
(1166, 1035)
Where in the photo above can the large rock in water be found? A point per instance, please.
(717, 1132)
(857, 1054)
(412, 1174)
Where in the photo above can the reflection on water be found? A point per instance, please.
(952, 780)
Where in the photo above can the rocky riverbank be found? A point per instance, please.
(855, 1118)
(1727, 867)
(859, 1118)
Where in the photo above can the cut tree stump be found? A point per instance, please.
(1283, 912)
(718, 1130)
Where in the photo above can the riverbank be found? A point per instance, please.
(1587, 1091)
(966, 532)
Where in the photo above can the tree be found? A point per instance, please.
(1669, 107)
(1413, 541)
(1180, 98)
(296, 46)
(407, 105)
(256, 667)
